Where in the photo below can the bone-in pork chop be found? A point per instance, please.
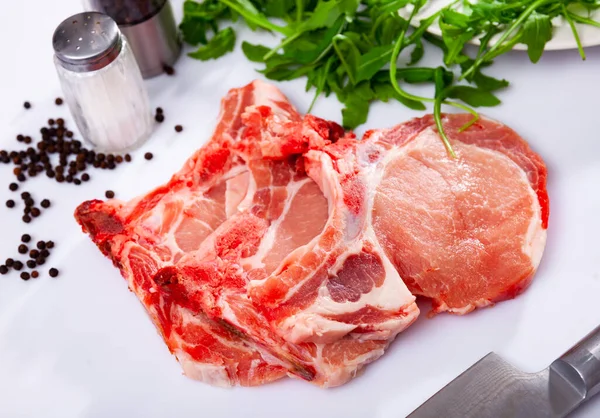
(150, 234)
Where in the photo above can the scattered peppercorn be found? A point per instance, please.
(25, 238)
(10, 203)
(58, 101)
(109, 194)
(53, 272)
(168, 69)
(27, 105)
(178, 128)
(148, 156)
(25, 275)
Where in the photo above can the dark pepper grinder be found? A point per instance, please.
(150, 29)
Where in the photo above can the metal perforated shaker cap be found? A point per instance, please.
(87, 42)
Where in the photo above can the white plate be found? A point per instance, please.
(562, 37)
(81, 346)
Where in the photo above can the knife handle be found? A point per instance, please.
(581, 365)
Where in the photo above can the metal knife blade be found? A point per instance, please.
(494, 388)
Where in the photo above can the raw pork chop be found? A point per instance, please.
(156, 230)
(472, 230)
(464, 232)
(163, 243)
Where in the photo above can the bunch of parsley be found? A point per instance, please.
(350, 47)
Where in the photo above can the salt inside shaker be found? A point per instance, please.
(101, 82)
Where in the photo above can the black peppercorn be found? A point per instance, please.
(168, 70)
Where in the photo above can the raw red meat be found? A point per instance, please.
(147, 236)
(183, 248)
(472, 230)
(252, 269)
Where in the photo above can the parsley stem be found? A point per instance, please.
(504, 36)
(255, 18)
(437, 116)
(574, 30)
(282, 44)
(394, 64)
(342, 56)
(299, 10)
(581, 19)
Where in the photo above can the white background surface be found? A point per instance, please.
(82, 346)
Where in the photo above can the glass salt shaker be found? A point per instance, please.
(101, 82)
(150, 29)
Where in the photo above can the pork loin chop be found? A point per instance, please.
(464, 232)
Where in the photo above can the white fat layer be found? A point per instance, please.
(268, 240)
(208, 373)
(393, 295)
